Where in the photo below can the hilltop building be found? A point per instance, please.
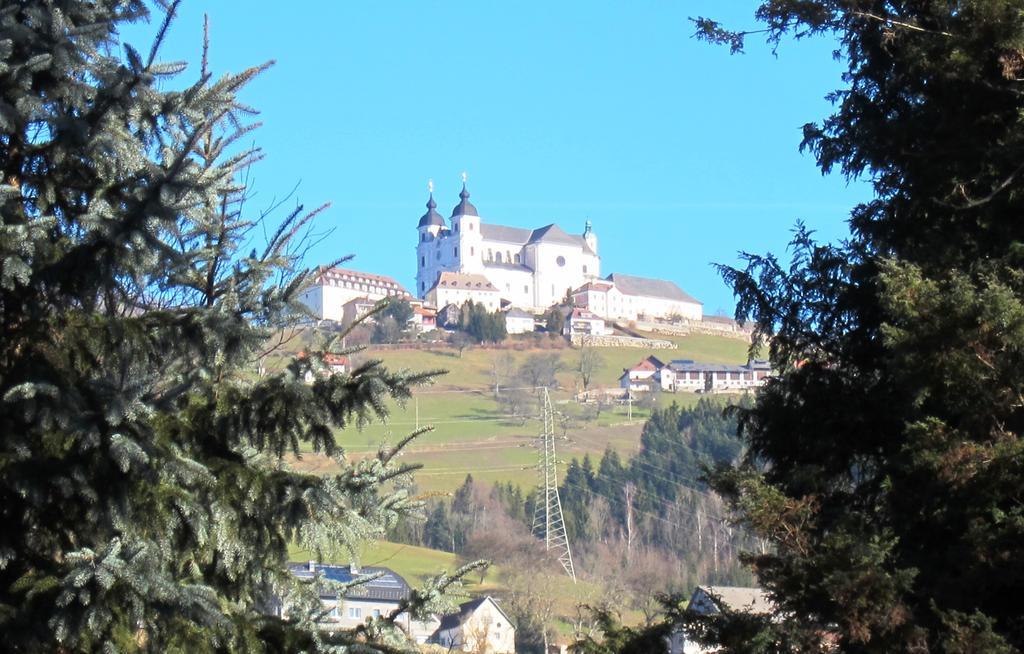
(464, 258)
(529, 269)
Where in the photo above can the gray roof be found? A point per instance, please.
(464, 207)
(505, 234)
(554, 234)
(548, 234)
(431, 217)
(518, 313)
(660, 288)
(390, 586)
(688, 365)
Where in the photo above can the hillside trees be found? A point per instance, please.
(891, 440)
(142, 492)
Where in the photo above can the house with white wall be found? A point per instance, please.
(332, 288)
(581, 321)
(518, 321)
(479, 626)
(641, 376)
(628, 297)
(714, 600)
(455, 288)
(380, 596)
(688, 375)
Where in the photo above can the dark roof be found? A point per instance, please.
(518, 313)
(630, 285)
(505, 234)
(688, 365)
(431, 217)
(464, 207)
(390, 586)
(554, 234)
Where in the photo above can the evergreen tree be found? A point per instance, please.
(144, 501)
(892, 438)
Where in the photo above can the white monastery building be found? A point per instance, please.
(333, 288)
(532, 268)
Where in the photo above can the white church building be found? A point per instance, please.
(532, 269)
(529, 269)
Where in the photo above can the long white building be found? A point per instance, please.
(530, 269)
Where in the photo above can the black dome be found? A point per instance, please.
(465, 207)
(431, 217)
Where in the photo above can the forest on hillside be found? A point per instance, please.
(638, 526)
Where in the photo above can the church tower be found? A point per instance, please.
(466, 231)
(589, 237)
(431, 227)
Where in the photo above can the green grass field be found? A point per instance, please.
(471, 433)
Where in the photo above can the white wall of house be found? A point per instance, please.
(487, 624)
(517, 325)
(441, 296)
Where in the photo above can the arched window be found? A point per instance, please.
(498, 257)
(517, 259)
(490, 255)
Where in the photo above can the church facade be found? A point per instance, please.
(530, 269)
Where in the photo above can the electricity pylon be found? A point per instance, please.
(548, 523)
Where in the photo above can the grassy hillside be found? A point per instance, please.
(472, 433)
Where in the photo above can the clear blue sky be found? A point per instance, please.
(680, 153)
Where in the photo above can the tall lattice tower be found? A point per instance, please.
(548, 523)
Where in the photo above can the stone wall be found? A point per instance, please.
(579, 340)
(686, 327)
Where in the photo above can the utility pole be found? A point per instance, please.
(629, 407)
(416, 403)
(548, 521)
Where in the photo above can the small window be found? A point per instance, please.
(472, 252)
(560, 261)
(438, 255)
(584, 270)
(490, 255)
(456, 227)
(497, 257)
(526, 288)
(470, 226)
(456, 252)
(376, 613)
(354, 612)
(423, 262)
(518, 260)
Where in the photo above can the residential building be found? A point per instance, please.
(518, 321)
(380, 596)
(581, 321)
(688, 375)
(713, 600)
(456, 288)
(642, 376)
(332, 288)
(628, 297)
(480, 625)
